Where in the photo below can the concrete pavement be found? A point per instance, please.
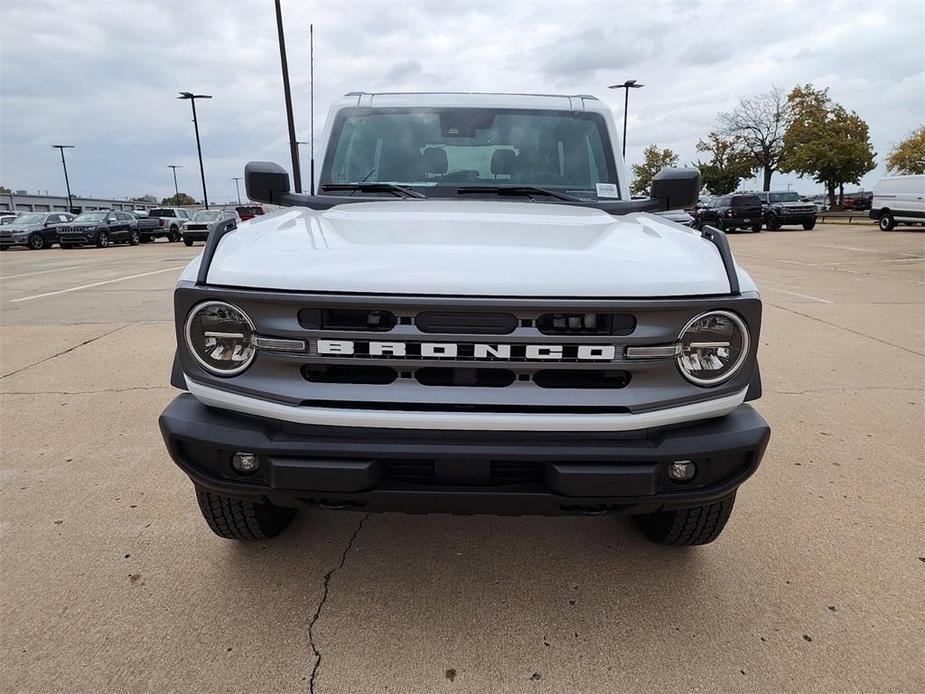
(110, 580)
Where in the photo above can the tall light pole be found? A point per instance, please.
(237, 189)
(67, 183)
(629, 84)
(176, 188)
(202, 172)
(293, 147)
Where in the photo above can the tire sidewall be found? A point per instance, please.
(103, 239)
(36, 241)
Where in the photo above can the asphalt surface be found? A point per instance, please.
(111, 581)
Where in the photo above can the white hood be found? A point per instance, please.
(471, 247)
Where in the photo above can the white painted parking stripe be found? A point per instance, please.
(859, 250)
(97, 284)
(785, 291)
(42, 272)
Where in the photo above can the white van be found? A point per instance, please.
(899, 200)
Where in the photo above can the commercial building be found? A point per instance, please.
(21, 202)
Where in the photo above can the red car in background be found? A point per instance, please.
(246, 212)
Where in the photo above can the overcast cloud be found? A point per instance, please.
(104, 75)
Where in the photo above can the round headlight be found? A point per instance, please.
(220, 337)
(713, 347)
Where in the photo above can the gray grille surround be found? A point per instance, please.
(276, 376)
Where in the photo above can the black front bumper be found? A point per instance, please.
(79, 237)
(463, 471)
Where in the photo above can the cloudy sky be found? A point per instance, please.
(103, 75)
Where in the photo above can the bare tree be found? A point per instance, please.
(759, 123)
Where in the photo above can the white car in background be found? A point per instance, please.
(899, 200)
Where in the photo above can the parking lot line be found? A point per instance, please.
(96, 284)
(41, 272)
(764, 285)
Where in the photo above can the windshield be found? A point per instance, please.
(439, 150)
(784, 197)
(207, 216)
(91, 217)
(30, 219)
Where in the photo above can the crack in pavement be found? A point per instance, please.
(69, 349)
(324, 598)
(83, 392)
(842, 327)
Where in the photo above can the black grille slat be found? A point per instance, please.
(586, 323)
(566, 378)
(466, 323)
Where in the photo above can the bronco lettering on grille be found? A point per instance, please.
(470, 350)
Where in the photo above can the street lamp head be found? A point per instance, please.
(62, 146)
(629, 84)
(190, 95)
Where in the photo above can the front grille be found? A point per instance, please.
(196, 227)
(422, 354)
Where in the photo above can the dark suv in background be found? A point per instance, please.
(785, 207)
(731, 212)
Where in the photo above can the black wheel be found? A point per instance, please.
(133, 239)
(173, 235)
(772, 222)
(756, 228)
(887, 223)
(3, 248)
(687, 526)
(809, 226)
(36, 242)
(102, 241)
(720, 224)
(238, 519)
(188, 242)
(65, 245)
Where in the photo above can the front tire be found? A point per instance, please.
(174, 235)
(188, 242)
(886, 222)
(699, 525)
(134, 239)
(772, 222)
(36, 242)
(809, 226)
(102, 241)
(65, 245)
(239, 519)
(756, 228)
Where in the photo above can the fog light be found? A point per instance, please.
(682, 470)
(245, 463)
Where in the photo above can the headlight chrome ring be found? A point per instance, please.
(714, 355)
(211, 348)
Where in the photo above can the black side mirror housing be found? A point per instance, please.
(676, 189)
(265, 181)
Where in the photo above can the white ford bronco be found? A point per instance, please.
(469, 315)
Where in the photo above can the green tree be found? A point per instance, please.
(826, 141)
(758, 124)
(178, 200)
(653, 161)
(4, 190)
(146, 198)
(728, 165)
(908, 157)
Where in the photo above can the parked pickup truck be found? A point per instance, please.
(164, 222)
(471, 315)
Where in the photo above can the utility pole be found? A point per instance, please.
(67, 183)
(237, 189)
(176, 189)
(293, 147)
(629, 84)
(202, 172)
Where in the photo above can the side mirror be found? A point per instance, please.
(676, 189)
(265, 181)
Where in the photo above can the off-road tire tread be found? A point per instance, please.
(689, 526)
(239, 519)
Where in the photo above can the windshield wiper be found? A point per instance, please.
(516, 190)
(374, 187)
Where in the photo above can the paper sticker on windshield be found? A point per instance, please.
(607, 190)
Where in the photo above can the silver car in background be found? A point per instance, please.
(36, 230)
(205, 221)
